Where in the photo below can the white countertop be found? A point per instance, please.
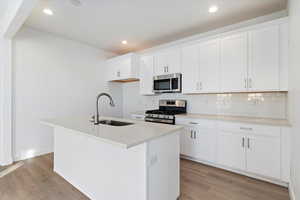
(239, 119)
(123, 136)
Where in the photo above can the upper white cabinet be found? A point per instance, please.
(123, 68)
(200, 67)
(256, 60)
(234, 63)
(146, 75)
(250, 59)
(190, 69)
(167, 62)
(209, 66)
(264, 59)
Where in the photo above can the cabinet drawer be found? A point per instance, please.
(201, 123)
(269, 131)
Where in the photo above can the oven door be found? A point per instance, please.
(167, 83)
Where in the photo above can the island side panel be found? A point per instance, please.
(163, 177)
(100, 170)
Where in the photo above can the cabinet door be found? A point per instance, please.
(125, 68)
(113, 72)
(205, 143)
(174, 61)
(187, 143)
(263, 155)
(146, 75)
(190, 73)
(209, 66)
(284, 56)
(264, 59)
(234, 63)
(231, 150)
(167, 62)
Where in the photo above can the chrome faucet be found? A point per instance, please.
(95, 118)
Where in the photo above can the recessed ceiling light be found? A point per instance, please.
(124, 42)
(48, 11)
(213, 9)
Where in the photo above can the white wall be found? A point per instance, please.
(5, 102)
(270, 105)
(54, 77)
(294, 94)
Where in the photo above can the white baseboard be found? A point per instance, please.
(31, 154)
(291, 191)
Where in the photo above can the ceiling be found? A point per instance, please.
(143, 23)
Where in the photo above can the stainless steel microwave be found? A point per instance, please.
(169, 83)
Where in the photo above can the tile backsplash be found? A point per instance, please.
(267, 105)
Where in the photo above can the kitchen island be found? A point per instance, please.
(139, 161)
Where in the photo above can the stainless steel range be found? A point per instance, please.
(166, 112)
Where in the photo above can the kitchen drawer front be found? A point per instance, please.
(268, 131)
(201, 123)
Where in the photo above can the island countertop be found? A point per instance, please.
(123, 136)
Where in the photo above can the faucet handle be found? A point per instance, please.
(92, 119)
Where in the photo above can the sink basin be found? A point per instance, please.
(114, 123)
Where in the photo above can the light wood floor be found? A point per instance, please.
(35, 180)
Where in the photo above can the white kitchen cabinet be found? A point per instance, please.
(187, 142)
(264, 59)
(209, 66)
(201, 67)
(234, 62)
(284, 56)
(205, 140)
(198, 140)
(255, 150)
(167, 62)
(123, 68)
(263, 155)
(251, 148)
(231, 150)
(190, 69)
(146, 75)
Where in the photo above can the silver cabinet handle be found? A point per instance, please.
(195, 135)
(118, 74)
(248, 143)
(167, 67)
(195, 123)
(246, 129)
(191, 134)
(245, 80)
(243, 142)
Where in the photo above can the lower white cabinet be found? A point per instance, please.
(231, 151)
(187, 142)
(257, 150)
(198, 141)
(263, 155)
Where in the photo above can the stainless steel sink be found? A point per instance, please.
(114, 123)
